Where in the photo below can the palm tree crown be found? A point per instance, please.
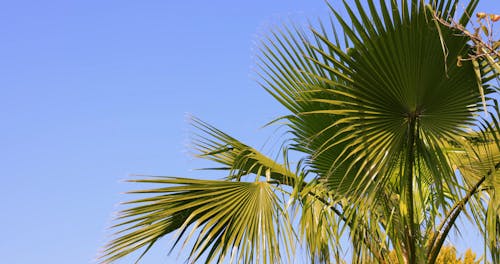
(386, 113)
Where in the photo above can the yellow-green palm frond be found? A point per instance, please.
(238, 221)
(238, 158)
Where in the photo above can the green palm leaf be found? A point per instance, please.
(238, 158)
(397, 74)
(241, 221)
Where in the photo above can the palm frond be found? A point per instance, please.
(238, 158)
(239, 221)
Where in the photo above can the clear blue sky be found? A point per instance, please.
(92, 91)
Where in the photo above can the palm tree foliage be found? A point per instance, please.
(387, 118)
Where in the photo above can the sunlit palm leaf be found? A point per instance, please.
(240, 221)
(237, 157)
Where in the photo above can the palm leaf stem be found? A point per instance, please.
(329, 205)
(449, 221)
(410, 225)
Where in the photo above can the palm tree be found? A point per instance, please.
(386, 115)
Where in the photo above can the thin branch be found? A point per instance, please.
(474, 37)
(449, 221)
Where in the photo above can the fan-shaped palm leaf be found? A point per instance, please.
(243, 221)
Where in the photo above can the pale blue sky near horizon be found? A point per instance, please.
(93, 91)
